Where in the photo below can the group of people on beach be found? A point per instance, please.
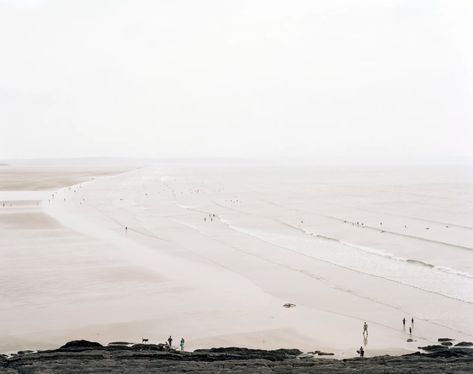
(211, 217)
(411, 327)
(361, 351)
(358, 223)
(169, 343)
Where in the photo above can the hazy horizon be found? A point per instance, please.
(325, 82)
(254, 160)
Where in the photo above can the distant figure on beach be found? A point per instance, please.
(170, 341)
(404, 322)
(412, 321)
(182, 344)
(361, 352)
(365, 328)
(410, 330)
(126, 228)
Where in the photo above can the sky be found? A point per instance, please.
(329, 81)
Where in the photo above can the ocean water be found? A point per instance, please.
(411, 225)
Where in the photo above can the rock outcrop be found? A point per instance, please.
(80, 345)
(433, 348)
(464, 344)
(89, 357)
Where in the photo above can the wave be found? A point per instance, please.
(421, 263)
(383, 230)
(382, 253)
(405, 235)
(442, 270)
(411, 261)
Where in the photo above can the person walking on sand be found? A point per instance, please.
(412, 321)
(170, 341)
(410, 330)
(365, 328)
(404, 322)
(182, 344)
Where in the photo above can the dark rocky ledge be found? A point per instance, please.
(89, 357)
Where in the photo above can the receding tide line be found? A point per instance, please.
(371, 227)
(330, 262)
(356, 270)
(380, 253)
(352, 245)
(405, 235)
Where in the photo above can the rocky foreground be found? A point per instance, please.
(90, 357)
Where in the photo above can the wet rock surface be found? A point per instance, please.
(80, 344)
(464, 344)
(433, 348)
(94, 358)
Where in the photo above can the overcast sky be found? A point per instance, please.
(348, 81)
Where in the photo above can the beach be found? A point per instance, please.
(211, 251)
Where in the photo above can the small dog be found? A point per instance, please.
(143, 340)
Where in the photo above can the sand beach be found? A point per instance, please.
(211, 251)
